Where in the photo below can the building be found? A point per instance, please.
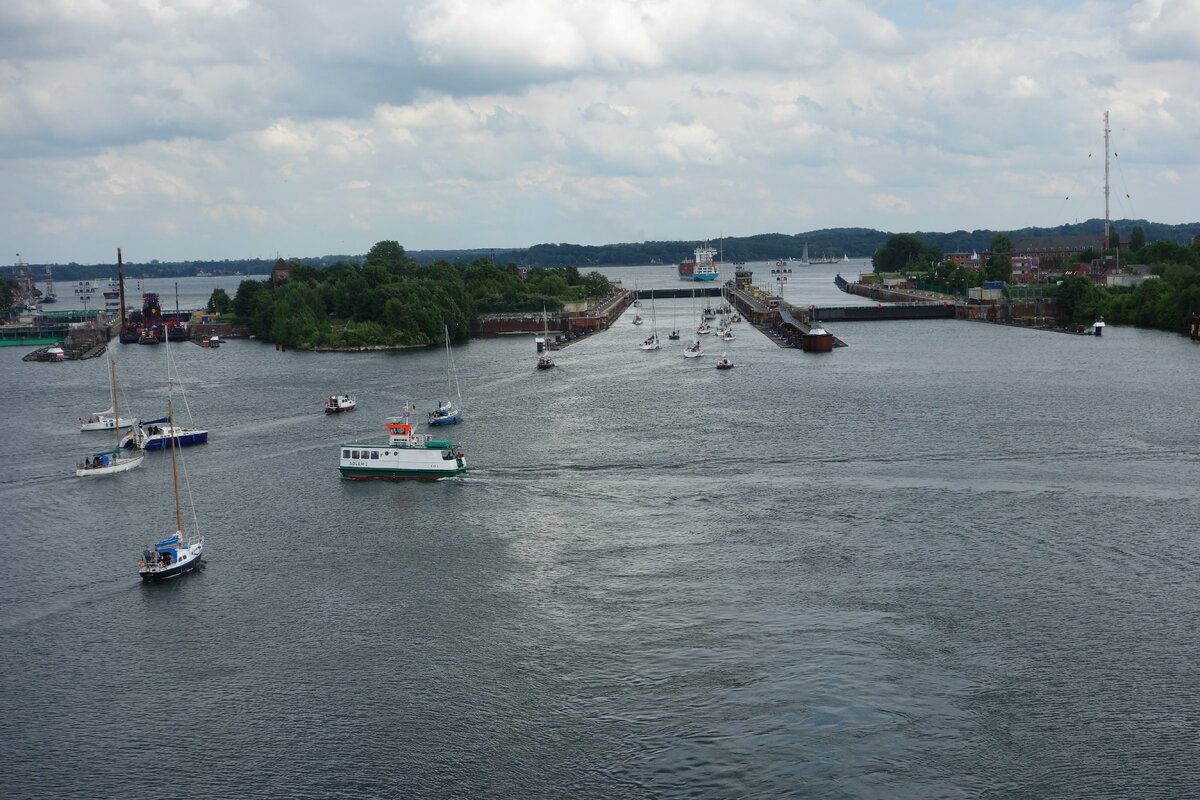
(281, 273)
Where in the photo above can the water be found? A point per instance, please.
(950, 560)
(187, 293)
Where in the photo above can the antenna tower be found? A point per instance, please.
(1107, 235)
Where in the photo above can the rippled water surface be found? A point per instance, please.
(950, 560)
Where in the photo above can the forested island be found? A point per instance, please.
(392, 300)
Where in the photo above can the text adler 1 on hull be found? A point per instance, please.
(404, 456)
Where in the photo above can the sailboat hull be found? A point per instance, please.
(450, 419)
(173, 571)
(114, 466)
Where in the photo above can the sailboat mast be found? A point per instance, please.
(121, 287)
(446, 331)
(112, 376)
(174, 469)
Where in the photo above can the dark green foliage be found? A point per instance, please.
(1000, 243)
(1137, 238)
(1167, 301)
(219, 302)
(999, 268)
(391, 300)
(7, 292)
(905, 251)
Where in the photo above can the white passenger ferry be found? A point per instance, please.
(404, 456)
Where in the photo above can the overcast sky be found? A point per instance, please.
(209, 129)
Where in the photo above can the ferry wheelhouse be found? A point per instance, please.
(404, 456)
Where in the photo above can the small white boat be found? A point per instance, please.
(447, 413)
(650, 343)
(544, 360)
(724, 363)
(703, 329)
(637, 319)
(110, 462)
(693, 350)
(337, 403)
(105, 421)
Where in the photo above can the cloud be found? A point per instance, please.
(1163, 30)
(891, 204)
(244, 126)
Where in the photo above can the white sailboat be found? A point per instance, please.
(651, 341)
(544, 360)
(179, 552)
(109, 462)
(447, 413)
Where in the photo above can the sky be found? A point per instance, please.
(212, 129)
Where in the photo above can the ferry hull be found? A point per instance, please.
(390, 474)
(704, 276)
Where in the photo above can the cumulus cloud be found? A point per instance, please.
(1161, 30)
(227, 127)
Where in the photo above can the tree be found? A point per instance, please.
(1001, 243)
(1137, 238)
(387, 254)
(250, 295)
(6, 293)
(999, 268)
(903, 250)
(219, 302)
(1076, 298)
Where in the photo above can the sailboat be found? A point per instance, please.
(693, 350)
(544, 360)
(105, 420)
(115, 460)
(153, 434)
(177, 553)
(724, 362)
(651, 341)
(447, 413)
(674, 335)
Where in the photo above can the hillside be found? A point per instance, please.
(826, 242)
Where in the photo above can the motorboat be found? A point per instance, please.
(337, 403)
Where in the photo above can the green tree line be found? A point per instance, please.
(391, 300)
(1166, 301)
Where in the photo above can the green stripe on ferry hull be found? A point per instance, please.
(359, 473)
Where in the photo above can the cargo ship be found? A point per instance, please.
(703, 267)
